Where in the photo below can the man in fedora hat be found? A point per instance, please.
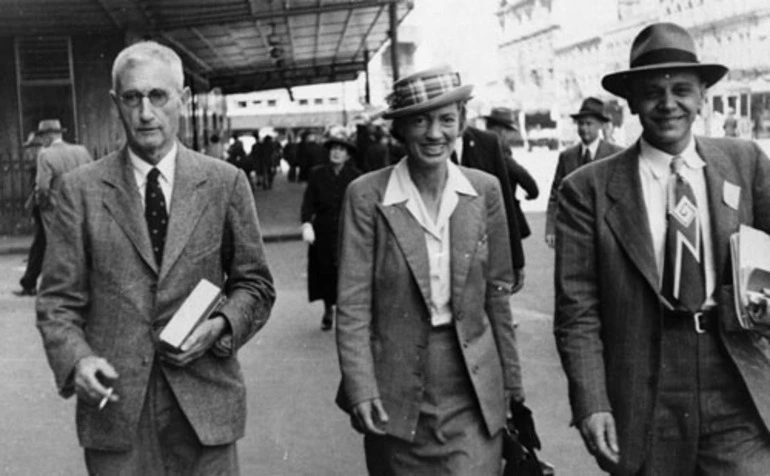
(662, 380)
(501, 121)
(56, 158)
(589, 120)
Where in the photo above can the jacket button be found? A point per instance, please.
(145, 361)
(153, 287)
(459, 315)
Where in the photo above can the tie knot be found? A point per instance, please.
(152, 175)
(676, 165)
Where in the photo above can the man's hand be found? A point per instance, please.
(308, 234)
(550, 240)
(518, 280)
(197, 343)
(91, 375)
(601, 440)
(368, 416)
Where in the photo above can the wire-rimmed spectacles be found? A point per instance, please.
(133, 98)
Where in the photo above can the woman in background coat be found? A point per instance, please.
(424, 331)
(320, 221)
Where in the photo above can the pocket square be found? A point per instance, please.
(731, 195)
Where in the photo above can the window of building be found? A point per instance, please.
(318, 101)
(257, 102)
(303, 102)
(242, 104)
(271, 103)
(334, 100)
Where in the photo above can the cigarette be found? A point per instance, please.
(106, 398)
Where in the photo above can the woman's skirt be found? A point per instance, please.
(451, 437)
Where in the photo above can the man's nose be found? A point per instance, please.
(667, 100)
(434, 129)
(145, 109)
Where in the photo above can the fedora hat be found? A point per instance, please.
(339, 137)
(662, 46)
(425, 91)
(49, 125)
(503, 116)
(591, 107)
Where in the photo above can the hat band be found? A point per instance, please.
(664, 55)
(423, 89)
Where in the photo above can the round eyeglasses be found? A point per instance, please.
(133, 98)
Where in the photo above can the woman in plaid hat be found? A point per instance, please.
(424, 330)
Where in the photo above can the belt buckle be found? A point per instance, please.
(696, 321)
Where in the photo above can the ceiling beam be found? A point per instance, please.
(240, 45)
(289, 32)
(180, 47)
(109, 13)
(342, 35)
(210, 46)
(317, 32)
(368, 31)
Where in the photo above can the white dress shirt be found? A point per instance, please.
(166, 167)
(654, 170)
(592, 148)
(401, 189)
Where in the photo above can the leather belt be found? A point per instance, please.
(702, 321)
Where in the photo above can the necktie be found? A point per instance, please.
(683, 275)
(155, 214)
(586, 156)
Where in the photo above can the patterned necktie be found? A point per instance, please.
(683, 274)
(586, 157)
(155, 214)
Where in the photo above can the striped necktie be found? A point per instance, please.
(683, 286)
(155, 213)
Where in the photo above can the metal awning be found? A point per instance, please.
(237, 45)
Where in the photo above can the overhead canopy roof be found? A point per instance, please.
(238, 45)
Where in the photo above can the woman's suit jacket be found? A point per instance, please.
(384, 290)
(608, 306)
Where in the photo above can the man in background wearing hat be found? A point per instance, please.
(482, 150)
(56, 158)
(54, 161)
(501, 121)
(662, 380)
(589, 119)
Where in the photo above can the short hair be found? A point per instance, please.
(397, 121)
(148, 51)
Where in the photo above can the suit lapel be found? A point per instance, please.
(187, 206)
(627, 215)
(411, 239)
(124, 203)
(464, 233)
(469, 150)
(724, 220)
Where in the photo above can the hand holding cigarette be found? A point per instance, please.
(93, 381)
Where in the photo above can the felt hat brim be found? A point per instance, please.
(597, 115)
(336, 140)
(618, 83)
(460, 93)
(496, 120)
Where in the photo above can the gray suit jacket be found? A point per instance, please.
(103, 294)
(569, 161)
(384, 294)
(53, 162)
(608, 307)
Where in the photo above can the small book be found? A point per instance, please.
(750, 252)
(204, 300)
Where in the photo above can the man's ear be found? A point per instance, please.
(185, 96)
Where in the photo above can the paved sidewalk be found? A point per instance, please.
(278, 211)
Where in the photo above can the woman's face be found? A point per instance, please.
(430, 137)
(338, 154)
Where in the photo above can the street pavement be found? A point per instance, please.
(293, 425)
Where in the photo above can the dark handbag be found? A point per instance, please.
(519, 442)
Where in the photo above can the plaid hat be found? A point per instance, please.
(662, 46)
(425, 91)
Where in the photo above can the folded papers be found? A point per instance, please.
(203, 301)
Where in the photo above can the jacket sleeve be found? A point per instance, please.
(498, 291)
(64, 296)
(521, 176)
(249, 285)
(550, 215)
(354, 299)
(309, 199)
(514, 234)
(577, 323)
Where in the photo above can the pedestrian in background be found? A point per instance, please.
(135, 232)
(320, 214)
(662, 379)
(501, 121)
(424, 333)
(589, 120)
(30, 151)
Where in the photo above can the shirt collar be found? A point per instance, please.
(166, 166)
(660, 161)
(397, 190)
(593, 147)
